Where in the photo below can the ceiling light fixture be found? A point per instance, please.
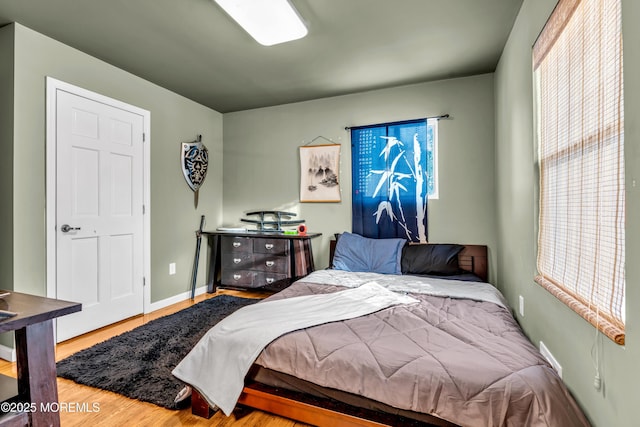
(269, 22)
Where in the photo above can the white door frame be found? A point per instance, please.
(52, 88)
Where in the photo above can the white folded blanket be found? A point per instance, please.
(217, 365)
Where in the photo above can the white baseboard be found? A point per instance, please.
(7, 353)
(174, 299)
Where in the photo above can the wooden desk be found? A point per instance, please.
(35, 352)
(295, 252)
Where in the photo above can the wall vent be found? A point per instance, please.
(552, 360)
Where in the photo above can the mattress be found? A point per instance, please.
(463, 360)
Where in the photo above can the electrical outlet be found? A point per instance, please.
(172, 268)
(521, 305)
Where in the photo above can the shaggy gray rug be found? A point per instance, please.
(138, 363)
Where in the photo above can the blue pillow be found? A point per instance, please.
(357, 253)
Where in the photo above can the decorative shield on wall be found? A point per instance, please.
(194, 159)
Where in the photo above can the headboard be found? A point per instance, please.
(472, 258)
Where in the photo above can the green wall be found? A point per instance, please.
(6, 165)
(262, 169)
(6, 159)
(174, 119)
(568, 336)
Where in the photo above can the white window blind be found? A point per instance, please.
(578, 71)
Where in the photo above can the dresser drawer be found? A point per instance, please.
(237, 261)
(230, 244)
(270, 279)
(271, 246)
(240, 278)
(271, 263)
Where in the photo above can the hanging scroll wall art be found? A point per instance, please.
(319, 170)
(194, 160)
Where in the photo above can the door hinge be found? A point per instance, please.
(143, 210)
(144, 281)
(144, 137)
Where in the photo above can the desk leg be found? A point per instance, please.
(308, 256)
(35, 351)
(302, 256)
(213, 262)
(293, 260)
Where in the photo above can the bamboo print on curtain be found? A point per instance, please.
(392, 167)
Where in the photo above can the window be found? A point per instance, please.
(580, 123)
(394, 173)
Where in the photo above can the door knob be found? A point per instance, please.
(66, 228)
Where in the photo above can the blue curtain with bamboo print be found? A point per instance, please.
(391, 165)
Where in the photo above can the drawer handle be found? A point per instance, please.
(237, 276)
(268, 245)
(237, 244)
(237, 260)
(270, 280)
(270, 263)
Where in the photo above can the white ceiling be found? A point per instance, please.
(193, 48)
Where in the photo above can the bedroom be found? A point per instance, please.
(490, 132)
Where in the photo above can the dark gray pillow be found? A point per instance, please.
(440, 259)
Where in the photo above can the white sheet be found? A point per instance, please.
(477, 291)
(217, 365)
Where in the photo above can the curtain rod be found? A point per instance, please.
(442, 116)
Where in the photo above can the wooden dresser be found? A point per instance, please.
(267, 261)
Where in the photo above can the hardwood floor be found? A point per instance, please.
(81, 405)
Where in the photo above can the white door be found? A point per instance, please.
(99, 212)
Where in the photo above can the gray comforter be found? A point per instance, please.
(227, 351)
(459, 359)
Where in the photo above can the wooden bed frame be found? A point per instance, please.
(474, 258)
(325, 412)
